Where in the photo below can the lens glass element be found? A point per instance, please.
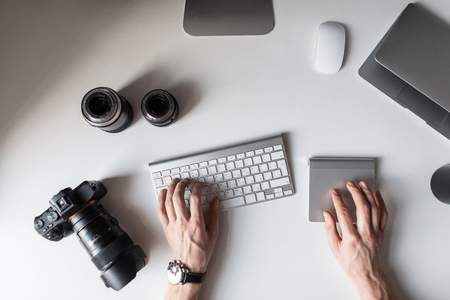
(157, 106)
(99, 106)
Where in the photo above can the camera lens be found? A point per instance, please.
(159, 108)
(103, 108)
(111, 249)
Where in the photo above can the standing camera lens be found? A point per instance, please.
(159, 107)
(103, 108)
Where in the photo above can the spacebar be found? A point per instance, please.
(228, 203)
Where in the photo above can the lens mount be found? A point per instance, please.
(159, 107)
(101, 107)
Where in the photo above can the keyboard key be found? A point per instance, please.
(229, 203)
(212, 170)
(184, 169)
(276, 174)
(238, 192)
(250, 153)
(245, 172)
(165, 173)
(280, 182)
(268, 149)
(221, 168)
(232, 183)
(237, 174)
(267, 175)
(248, 162)
(167, 180)
(266, 157)
(277, 155)
(272, 165)
(259, 177)
(260, 196)
(240, 181)
(265, 185)
(229, 194)
(231, 157)
(157, 175)
(249, 179)
(240, 156)
(213, 188)
(227, 175)
(259, 151)
(230, 166)
(256, 187)
(270, 196)
(277, 147)
(282, 165)
(247, 189)
(239, 164)
(257, 160)
(250, 198)
(212, 162)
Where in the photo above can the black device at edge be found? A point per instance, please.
(111, 249)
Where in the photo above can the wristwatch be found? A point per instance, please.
(179, 275)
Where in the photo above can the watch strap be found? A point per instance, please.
(195, 278)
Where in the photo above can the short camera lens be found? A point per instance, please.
(159, 108)
(103, 108)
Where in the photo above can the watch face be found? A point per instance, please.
(175, 273)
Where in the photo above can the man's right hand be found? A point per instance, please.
(358, 251)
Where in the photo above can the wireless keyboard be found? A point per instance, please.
(238, 176)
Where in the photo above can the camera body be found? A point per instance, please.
(111, 249)
(53, 223)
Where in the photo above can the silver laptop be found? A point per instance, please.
(411, 65)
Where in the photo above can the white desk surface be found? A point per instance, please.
(230, 89)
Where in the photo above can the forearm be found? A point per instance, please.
(374, 288)
(182, 292)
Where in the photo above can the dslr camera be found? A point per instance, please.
(111, 249)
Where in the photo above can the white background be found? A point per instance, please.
(230, 89)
